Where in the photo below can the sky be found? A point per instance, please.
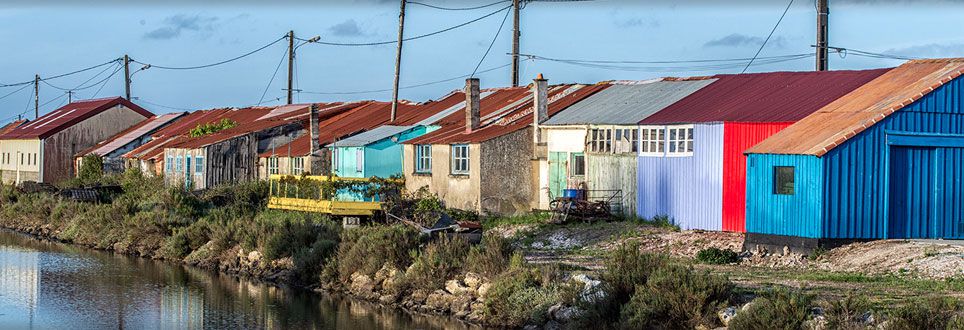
(56, 37)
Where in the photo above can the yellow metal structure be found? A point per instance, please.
(286, 196)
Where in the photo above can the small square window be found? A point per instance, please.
(577, 165)
(460, 159)
(423, 158)
(783, 179)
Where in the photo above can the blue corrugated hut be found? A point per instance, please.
(884, 161)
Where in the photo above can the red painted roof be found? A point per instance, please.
(67, 116)
(505, 111)
(853, 113)
(763, 97)
(127, 136)
(9, 127)
(366, 117)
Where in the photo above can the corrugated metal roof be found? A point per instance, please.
(10, 126)
(506, 111)
(373, 135)
(763, 97)
(627, 102)
(849, 115)
(68, 115)
(121, 139)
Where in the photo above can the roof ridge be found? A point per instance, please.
(936, 60)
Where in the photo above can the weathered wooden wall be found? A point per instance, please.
(60, 148)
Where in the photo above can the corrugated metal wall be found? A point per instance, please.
(951, 212)
(687, 189)
(856, 172)
(792, 215)
(738, 137)
(613, 172)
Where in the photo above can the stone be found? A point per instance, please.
(483, 290)
(461, 303)
(472, 280)
(553, 310)
(439, 301)
(552, 325)
(418, 296)
(818, 322)
(567, 314)
(361, 284)
(747, 306)
(456, 287)
(786, 250)
(387, 299)
(254, 256)
(592, 289)
(726, 315)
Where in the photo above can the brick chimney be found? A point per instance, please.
(540, 106)
(472, 112)
(314, 156)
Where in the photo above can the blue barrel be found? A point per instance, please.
(579, 194)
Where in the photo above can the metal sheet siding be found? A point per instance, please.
(952, 182)
(614, 172)
(737, 137)
(384, 158)
(687, 189)
(627, 104)
(857, 170)
(792, 215)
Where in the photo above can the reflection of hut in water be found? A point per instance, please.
(20, 280)
(181, 308)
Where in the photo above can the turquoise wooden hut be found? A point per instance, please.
(377, 152)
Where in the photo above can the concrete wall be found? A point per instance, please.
(457, 191)
(60, 148)
(13, 169)
(507, 174)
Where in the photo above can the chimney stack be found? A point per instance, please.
(314, 159)
(472, 112)
(540, 105)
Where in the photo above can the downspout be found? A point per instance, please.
(43, 142)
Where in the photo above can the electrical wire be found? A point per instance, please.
(260, 101)
(768, 36)
(378, 43)
(61, 75)
(681, 68)
(216, 63)
(409, 86)
(14, 92)
(494, 38)
(163, 106)
(81, 85)
(655, 62)
(104, 81)
(455, 9)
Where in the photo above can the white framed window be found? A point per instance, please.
(652, 141)
(199, 165)
(601, 140)
(297, 165)
(359, 160)
(423, 158)
(577, 164)
(460, 159)
(679, 140)
(272, 165)
(179, 164)
(169, 164)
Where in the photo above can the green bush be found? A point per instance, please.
(627, 267)
(677, 297)
(929, 313)
(519, 297)
(717, 256)
(309, 261)
(441, 260)
(778, 309)
(489, 258)
(367, 249)
(185, 240)
(847, 313)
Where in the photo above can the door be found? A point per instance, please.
(912, 193)
(187, 172)
(557, 173)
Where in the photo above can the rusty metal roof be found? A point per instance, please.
(763, 97)
(10, 126)
(145, 127)
(627, 102)
(849, 115)
(68, 115)
(506, 111)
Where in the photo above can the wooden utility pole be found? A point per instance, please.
(70, 97)
(515, 43)
(127, 76)
(36, 97)
(291, 61)
(823, 12)
(398, 59)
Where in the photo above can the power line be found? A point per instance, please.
(494, 38)
(212, 64)
(31, 81)
(538, 57)
(163, 106)
(14, 92)
(378, 43)
(768, 37)
(455, 9)
(409, 86)
(682, 68)
(104, 81)
(81, 85)
(260, 101)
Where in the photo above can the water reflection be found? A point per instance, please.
(51, 285)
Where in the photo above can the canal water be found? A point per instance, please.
(47, 285)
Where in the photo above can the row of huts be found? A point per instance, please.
(809, 158)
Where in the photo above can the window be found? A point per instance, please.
(169, 164)
(297, 165)
(460, 159)
(273, 165)
(783, 180)
(680, 140)
(179, 164)
(652, 141)
(359, 160)
(199, 165)
(423, 158)
(21, 159)
(577, 164)
(187, 164)
(601, 140)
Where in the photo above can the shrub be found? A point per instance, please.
(717, 256)
(677, 297)
(489, 258)
(930, 313)
(212, 127)
(778, 309)
(309, 261)
(440, 261)
(628, 266)
(91, 169)
(185, 240)
(280, 234)
(519, 297)
(846, 313)
(367, 249)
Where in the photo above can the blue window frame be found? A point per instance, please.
(423, 158)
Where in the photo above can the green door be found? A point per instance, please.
(557, 173)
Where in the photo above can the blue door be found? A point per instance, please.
(912, 193)
(187, 172)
